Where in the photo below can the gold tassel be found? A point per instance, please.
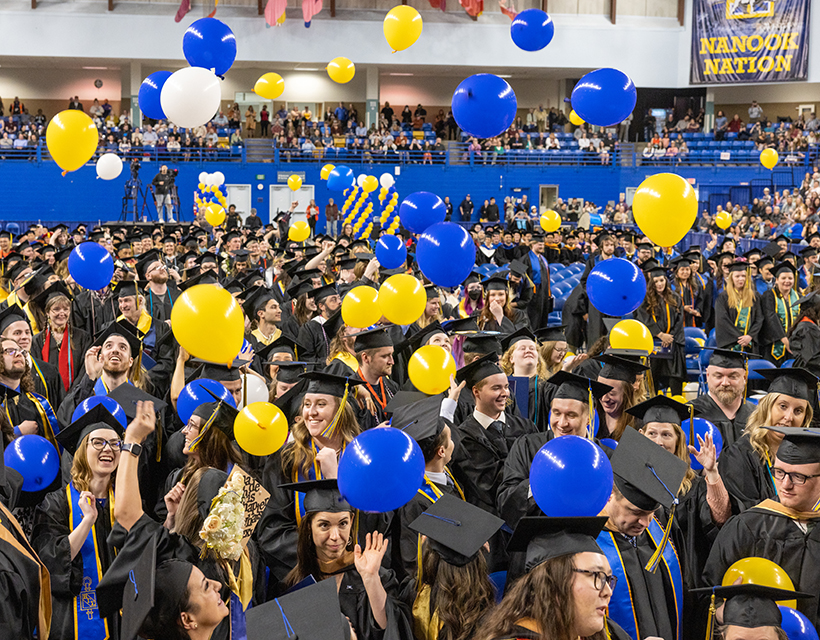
(203, 431)
(606, 626)
(710, 620)
(331, 428)
(590, 434)
(652, 565)
(692, 425)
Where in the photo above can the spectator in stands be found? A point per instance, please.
(584, 143)
(736, 124)
(623, 128)
(579, 132)
(387, 112)
(163, 184)
(361, 130)
(693, 125)
(420, 112)
(250, 122)
(452, 126)
(221, 120)
(149, 138)
(552, 143)
(607, 144)
(2, 112)
(340, 112)
(124, 146)
(332, 217)
(236, 138)
(721, 123)
(96, 111)
(40, 119)
(682, 124)
(75, 104)
(264, 120)
(541, 117)
(755, 112)
(465, 209)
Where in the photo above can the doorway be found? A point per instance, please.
(548, 196)
(281, 196)
(240, 195)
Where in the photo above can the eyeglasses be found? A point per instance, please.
(796, 478)
(99, 444)
(600, 579)
(11, 351)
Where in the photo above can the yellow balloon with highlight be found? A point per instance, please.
(71, 138)
(299, 231)
(575, 119)
(371, 183)
(402, 27)
(201, 186)
(295, 182)
(430, 369)
(261, 428)
(769, 158)
(325, 172)
(208, 323)
(631, 334)
(360, 307)
(341, 70)
(270, 86)
(665, 207)
(214, 214)
(760, 571)
(402, 299)
(723, 220)
(550, 221)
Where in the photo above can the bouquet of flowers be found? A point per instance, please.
(223, 529)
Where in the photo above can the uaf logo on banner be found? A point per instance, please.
(736, 9)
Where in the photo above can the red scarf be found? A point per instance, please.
(64, 359)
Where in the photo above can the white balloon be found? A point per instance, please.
(109, 166)
(209, 180)
(203, 177)
(219, 180)
(360, 180)
(255, 390)
(191, 97)
(387, 180)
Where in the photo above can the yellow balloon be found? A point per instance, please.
(402, 27)
(214, 214)
(665, 207)
(326, 171)
(208, 323)
(371, 183)
(299, 231)
(550, 221)
(295, 182)
(341, 70)
(261, 428)
(760, 571)
(270, 86)
(769, 158)
(430, 369)
(201, 186)
(360, 308)
(71, 138)
(402, 299)
(631, 334)
(724, 220)
(389, 208)
(575, 119)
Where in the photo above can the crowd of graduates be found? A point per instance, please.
(137, 533)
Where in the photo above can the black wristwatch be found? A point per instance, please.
(133, 448)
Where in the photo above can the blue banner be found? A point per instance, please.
(750, 41)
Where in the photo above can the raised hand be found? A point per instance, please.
(143, 424)
(707, 456)
(93, 364)
(369, 559)
(88, 506)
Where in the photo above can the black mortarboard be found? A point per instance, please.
(461, 325)
(255, 300)
(311, 612)
(219, 372)
(333, 324)
(544, 538)
(810, 298)
(54, 290)
(125, 288)
(784, 266)
(496, 283)
(320, 495)
(476, 371)
(575, 387)
(765, 260)
(208, 257)
(772, 249)
(418, 416)
(127, 396)
(645, 245)
(282, 344)
(647, 475)
(347, 264)
(752, 252)
(518, 268)
(680, 261)
(371, 339)
(242, 255)
(728, 359)
(289, 372)
(738, 265)
(473, 278)
(726, 254)
(145, 261)
(751, 606)
(431, 291)
(456, 529)
(63, 253)
(799, 445)
(618, 368)
(788, 255)
(521, 334)
(551, 334)
(124, 329)
(421, 337)
(483, 343)
(299, 288)
(254, 277)
(794, 382)
(98, 417)
(653, 269)
(139, 592)
(661, 409)
(237, 289)
(14, 272)
(10, 315)
(328, 383)
(207, 277)
(808, 252)
(782, 237)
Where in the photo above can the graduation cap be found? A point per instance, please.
(728, 359)
(619, 368)
(521, 334)
(216, 371)
(124, 329)
(680, 261)
(328, 383)
(419, 416)
(421, 337)
(544, 538)
(551, 334)
(478, 370)
(727, 254)
(127, 396)
(431, 291)
(6, 234)
(484, 343)
(782, 238)
(496, 283)
(320, 495)
(348, 264)
(208, 257)
(283, 344)
(648, 246)
(799, 445)
(236, 288)
(574, 387)
(455, 529)
(125, 288)
(55, 290)
(518, 268)
(17, 270)
(10, 315)
(764, 261)
(461, 325)
(793, 382)
(333, 323)
(772, 249)
(206, 277)
(751, 253)
(306, 613)
(146, 260)
(371, 339)
(219, 414)
(751, 606)
(256, 300)
(242, 255)
(810, 298)
(324, 291)
(290, 402)
(661, 409)
(653, 269)
(289, 372)
(299, 288)
(140, 590)
(98, 417)
(782, 267)
(253, 278)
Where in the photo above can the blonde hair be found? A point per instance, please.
(81, 473)
(487, 316)
(762, 417)
(682, 451)
(743, 298)
(541, 369)
(626, 419)
(546, 349)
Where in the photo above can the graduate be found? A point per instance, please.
(689, 289)
(641, 552)
(498, 314)
(523, 364)
(746, 466)
(621, 375)
(804, 336)
(738, 314)
(312, 334)
(264, 315)
(782, 528)
(159, 295)
(780, 310)
(374, 352)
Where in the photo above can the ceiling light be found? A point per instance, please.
(306, 69)
(96, 68)
(504, 76)
(400, 74)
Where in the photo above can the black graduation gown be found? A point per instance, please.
(805, 344)
(354, 604)
(53, 389)
(572, 316)
(91, 315)
(726, 333)
(772, 330)
(513, 500)
(21, 408)
(731, 430)
(80, 343)
(518, 321)
(698, 529)
(542, 302)
(776, 537)
(745, 476)
(615, 632)
(52, 525)
(692, 296)
(19, 582)
(159, 307)
(659, 322)
(313, 337)
(523, 293)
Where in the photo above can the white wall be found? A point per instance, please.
(50, 83)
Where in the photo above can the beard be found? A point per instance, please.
(726, 395)
(160, 276)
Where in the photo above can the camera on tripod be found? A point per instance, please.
(135, 169)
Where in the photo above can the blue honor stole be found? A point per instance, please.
(621, 609)
(239, 627)
(87, 622)
(101, 390)
(50, 424)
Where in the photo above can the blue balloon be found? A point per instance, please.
(91, 266)
(150, 90)
(446, 254)
(194, 394)
(604, 97)
(796, 625)
(341, 178)
(571, 476)
(391, 252)
(484, 105)
(609, 442)
(532, 30)
(702, 427)
(616, 287)
(381, 470)
(420, 210)
(34, 458)
(112, 405)
(209, 43)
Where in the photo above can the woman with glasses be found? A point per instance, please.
(71, 527)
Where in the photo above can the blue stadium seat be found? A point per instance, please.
(695, 332)
(757, 365)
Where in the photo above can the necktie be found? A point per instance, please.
(495, 432)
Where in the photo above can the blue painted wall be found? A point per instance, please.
(32, 191)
